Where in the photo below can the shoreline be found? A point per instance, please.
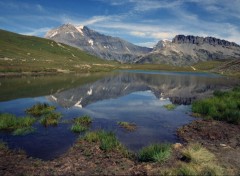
(87, 158)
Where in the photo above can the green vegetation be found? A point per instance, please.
(83, 120)
(128, 126)
(107, 140)
(155, 152)
(77, 128)
(17, 125)
(21, 53)
(199, 161)
(81, 124)
(3, 145)
(170, 106)
(223, 106)
(207, 65)
(40, 109)
(50, 119)
(23, 131)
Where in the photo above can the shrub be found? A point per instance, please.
(155, 152)
(40, 109)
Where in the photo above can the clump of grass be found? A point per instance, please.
(40, 109)
(81, 124)
(51, 119)
(10, 122)
(223, 106)
(84, 120)
(170, 106)
(107, 140)
(199, 162)
(77, 128)
(23, 131)
(155, 153)
(128, 126)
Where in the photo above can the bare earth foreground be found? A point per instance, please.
(86, 158)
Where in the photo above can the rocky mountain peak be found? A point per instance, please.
(180, 39)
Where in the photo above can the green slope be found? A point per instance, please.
(20, 53)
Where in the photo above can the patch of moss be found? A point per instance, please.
(40, 109)
(51, 119)
(170, 106)
(128, 126)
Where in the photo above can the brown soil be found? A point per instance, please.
(82, 159)
(86, 158)
(220, 138)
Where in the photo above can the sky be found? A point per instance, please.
(142, 22)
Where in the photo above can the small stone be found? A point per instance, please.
(223, 145)
(177, 146)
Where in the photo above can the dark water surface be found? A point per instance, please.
(132, 96)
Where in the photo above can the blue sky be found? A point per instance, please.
(142, 22)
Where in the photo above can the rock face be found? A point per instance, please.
(187, 50)
(106, 47)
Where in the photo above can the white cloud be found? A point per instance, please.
(37, 32)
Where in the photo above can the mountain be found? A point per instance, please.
(187, 50)
(20, 53)
(106, 47)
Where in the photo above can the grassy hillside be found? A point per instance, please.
(20, 53)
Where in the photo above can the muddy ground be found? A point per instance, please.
(86, 158)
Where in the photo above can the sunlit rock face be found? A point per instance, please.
(103, 46)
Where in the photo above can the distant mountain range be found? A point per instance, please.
(106, 47)
(182, 50)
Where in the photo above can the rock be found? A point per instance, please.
(177, 146)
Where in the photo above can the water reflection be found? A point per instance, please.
(180, 88)
(126, 96)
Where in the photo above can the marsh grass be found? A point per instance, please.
(83, 120)
(23, 131)
(77, 128)
(223, 106)
(107, 140)
(199, 162)
(170, 106)
(10, 122)
(50, 119)
(40, 109)
(127, 125)
(81, 124)
(155, 153)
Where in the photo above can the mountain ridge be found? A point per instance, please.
(103, 46)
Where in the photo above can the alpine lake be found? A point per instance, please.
(132, 96)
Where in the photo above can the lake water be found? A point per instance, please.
(132, 96)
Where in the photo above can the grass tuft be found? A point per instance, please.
(199, 162)
(128, 126)
(10, 122)
(155, 153)
(40, 109)
(23, 131)
(107, 140)
(77, 128)
(223, 106)
(81, 124)
(51, 119)
(170, 106)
